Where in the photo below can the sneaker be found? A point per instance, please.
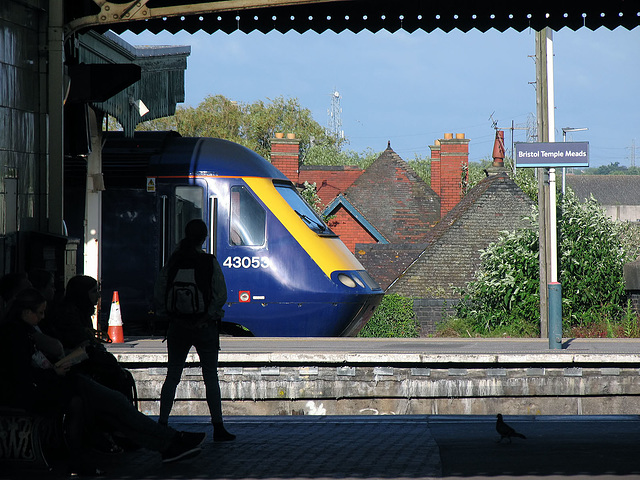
(192, 437)
(184, 445)
(220, 434)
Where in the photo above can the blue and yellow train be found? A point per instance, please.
(287, 273)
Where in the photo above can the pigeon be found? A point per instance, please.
(505, 430)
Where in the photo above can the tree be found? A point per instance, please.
(252, 125)
(613, 168)
(324, 154)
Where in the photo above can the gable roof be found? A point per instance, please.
(391, 196)
(449, 254)
(606, 189)
(341, 201)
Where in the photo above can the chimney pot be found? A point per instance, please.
(291, 136)
(448, 136)
(498, 149)
(279, 135)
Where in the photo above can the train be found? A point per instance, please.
(287, 273)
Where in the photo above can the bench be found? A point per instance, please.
(29, 440)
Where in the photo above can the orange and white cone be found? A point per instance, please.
(115, 320)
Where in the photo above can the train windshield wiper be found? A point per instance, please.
(311, 222)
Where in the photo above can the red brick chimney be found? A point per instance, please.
(285, 155)
(449, 173)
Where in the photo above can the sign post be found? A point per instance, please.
(548, 156)
(552, 154)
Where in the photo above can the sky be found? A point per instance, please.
(412, 88)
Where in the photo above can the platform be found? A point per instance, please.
(352, 376)
(394, 448)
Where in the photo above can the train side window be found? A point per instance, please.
(248, 218)
(189, 203)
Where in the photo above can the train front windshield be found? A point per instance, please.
(302, 208)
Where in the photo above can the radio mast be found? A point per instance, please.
(335, 117)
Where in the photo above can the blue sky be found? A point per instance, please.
(411, 88)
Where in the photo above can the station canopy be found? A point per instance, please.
(345, 15)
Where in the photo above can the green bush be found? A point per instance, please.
(504, 298)
(394, 317)
(592, 258)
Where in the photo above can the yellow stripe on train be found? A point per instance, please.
(329, 253)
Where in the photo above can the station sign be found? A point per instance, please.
(552, 154)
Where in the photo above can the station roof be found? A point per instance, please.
(160, 83)
(345, 15)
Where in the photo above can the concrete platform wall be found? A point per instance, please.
(329, 389)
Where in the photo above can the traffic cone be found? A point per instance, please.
(115, 320)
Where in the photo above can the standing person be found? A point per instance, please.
(193, 321)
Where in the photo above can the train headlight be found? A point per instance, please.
(346, 280)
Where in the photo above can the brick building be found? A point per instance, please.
(392, 221)
(448, 256)
(388, 203)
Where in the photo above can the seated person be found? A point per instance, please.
(31, 382)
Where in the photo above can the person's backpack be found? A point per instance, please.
(189, 286)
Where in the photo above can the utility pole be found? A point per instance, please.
(541, 114)
(547, 196)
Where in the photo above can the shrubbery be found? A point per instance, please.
(505, 299)
(394, 317)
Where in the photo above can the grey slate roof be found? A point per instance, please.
(606, 189)
(449, 254)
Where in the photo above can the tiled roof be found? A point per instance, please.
(385, 262)
(606, 189)
(341, 202)
(449, 253)
(391, 196)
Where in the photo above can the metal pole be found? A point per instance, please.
(551, 137)
(555, 315)
(554, 296)
(541, 113)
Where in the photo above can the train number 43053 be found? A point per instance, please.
(246, 262)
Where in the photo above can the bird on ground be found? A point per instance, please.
(505, 430)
